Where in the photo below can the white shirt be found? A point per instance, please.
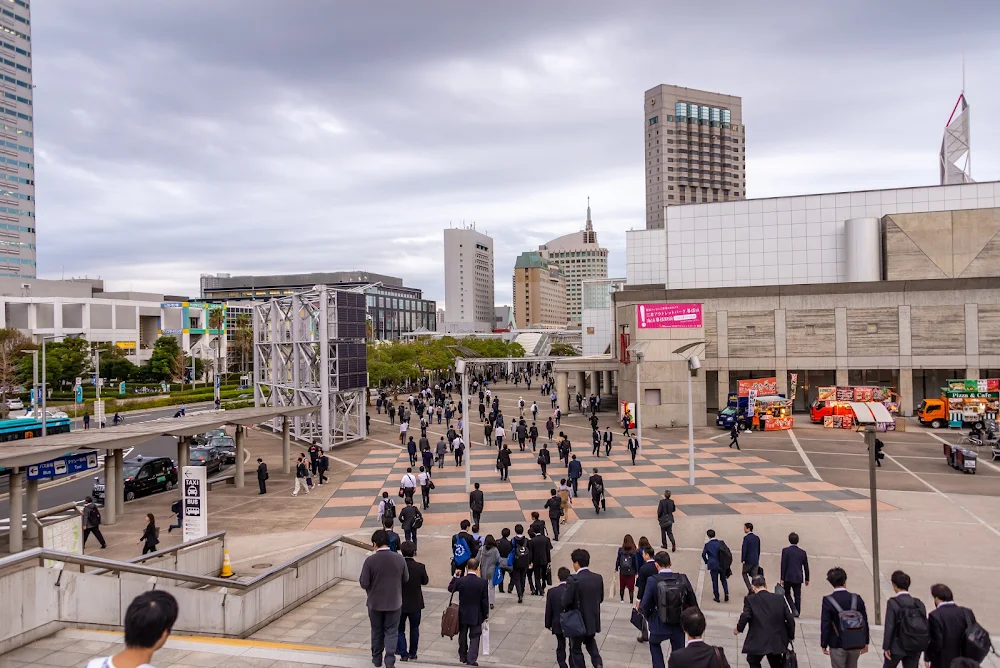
(457, 442)
(382, 504)
(943, 603)
(423, 478)
(500, 432)
(691, 641)
(408, 480)
(403, 427)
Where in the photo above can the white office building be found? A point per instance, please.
(579, 257)
(468, 281)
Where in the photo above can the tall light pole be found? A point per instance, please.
(463, 368)
(690, 353)
(34, 380)
(44, 378)
(638, 349)
(873, 494)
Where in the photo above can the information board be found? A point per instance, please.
(64, 536)
(195, 496)
(63, 466)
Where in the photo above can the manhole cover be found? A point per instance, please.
(261, 566)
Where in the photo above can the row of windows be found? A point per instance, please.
(16, 17)
(22, 100)
(10, 144)
(703, 112)
(18, 179)
(20, 3)
(12, 80)
(11, 63)
(17, 228)
(18, 114)
(714, 124)
(17, 212)
(16, 163)
(11, 31)
(7, 193)
(18, 244)
(16, 49)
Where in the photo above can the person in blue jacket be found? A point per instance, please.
(710, 555)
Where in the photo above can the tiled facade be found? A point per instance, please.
(776, 241)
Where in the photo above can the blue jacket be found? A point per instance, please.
(636, 561)
(657, 629)
(710, 554)
(575, 469)
(751, 549)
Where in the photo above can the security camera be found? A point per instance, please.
(694, 363)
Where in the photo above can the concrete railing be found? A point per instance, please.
(44, 600)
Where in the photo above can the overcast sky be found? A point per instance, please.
(244, 136)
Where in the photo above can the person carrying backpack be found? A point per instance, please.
(719, 560)
(519, 560)
(463, 546)
(386, 508)
(907, 631)
(627, 564)
(666, 596)
(393, 537)
(954, 632)
(92, 522)
(843, 623)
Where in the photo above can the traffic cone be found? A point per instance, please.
(227, 566)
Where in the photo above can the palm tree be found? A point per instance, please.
(243, 339)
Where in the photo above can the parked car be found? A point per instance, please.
(215, 433)
(142, 476)
(207, 457)
(15, 404)
(48, 414)
(226, 447)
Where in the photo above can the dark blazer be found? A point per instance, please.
(586, 593)
(648, 604)
(829, 618)
(592, 484)
(413, 594)
(575, 469)
(710, 554)
(554, 504)
(407, 516)
(553, 607)
(893, 613)
(665, 510)
(750, 553)
(771, 623)
(794, 562)
(149, 535)
(383, 576)
(504, 547)
(697, 655)
(540, 549)
(646, 570)
(473, 599)
(476, 500)
(947, 630)
(469, 540)
(262, 471)
(504, 460)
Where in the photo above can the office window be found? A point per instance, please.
(654, 120)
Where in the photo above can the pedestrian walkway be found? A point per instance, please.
(728, 482)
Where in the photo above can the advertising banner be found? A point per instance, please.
(827, 393)
(845, 393)
(975, 385)
(195, 492)
(63, 466)
(660, 316)
(762, 387)
(751, 401)
(863, 393)
(779, 423)
(794, 383)
(626, 409)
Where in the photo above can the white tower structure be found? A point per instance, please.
(956, 147)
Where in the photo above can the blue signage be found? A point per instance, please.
(79, 394)
(63, 466)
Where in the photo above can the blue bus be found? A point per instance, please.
(20, 428)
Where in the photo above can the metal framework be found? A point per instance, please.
(956, 145)
(309, 350)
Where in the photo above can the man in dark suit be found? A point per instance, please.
(554, 506)
(665, 518)
(947, 628)
(413, 602)
(596, 487)
(671, 629)
(896, 608)
(473, 610)
(262, 476)
(710, 555)
(574, 470)
(771, 626)
(794, 572)
(464, 534)
(585, 593)
(477, 501)
(553, 608)
(383, 575)
(540, 549)
(830, 639)
(503, 463)
(750, 555)
(608, 440)
(646, 571)
(697, 653)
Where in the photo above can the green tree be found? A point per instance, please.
(65, 361)
(243, 339)
(563, 350)
(166, 361)
(12, 342)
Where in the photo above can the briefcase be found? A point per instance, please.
(572, 624)
(791, 660)
(548, 574)
(449, 619)
(637, 619)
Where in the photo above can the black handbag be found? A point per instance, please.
(637, 619)
(571, 621)
(791, 660)
(548, 574)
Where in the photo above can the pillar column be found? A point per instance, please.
(239, 455)
(110, 516)
(782, 378)
(581, 382)
(609, 387)
(906, 392)
(562, 391)
(972, 374)
(842, 377)
(119, 483)
(723, 389)
(286, 445)
(16, 510)
(31, 503)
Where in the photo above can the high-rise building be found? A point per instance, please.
(579, 256)
(17, 162)
(695, 149)
(539, 292)
(468, 280)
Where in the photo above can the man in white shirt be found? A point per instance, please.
(404, 427)
(499, 434)
(409, 484)
(148, 622)
(424, 479)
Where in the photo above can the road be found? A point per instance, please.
(75, 490)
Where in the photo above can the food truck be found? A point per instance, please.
(969, 403)
(756, 397)
(833, 407)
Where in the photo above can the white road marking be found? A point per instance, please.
(866, 555)
(564, 538)
(803, 455)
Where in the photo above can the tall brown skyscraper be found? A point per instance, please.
(695, 149)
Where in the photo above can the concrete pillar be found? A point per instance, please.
(120, 490)
(609, 387)
(112, 480)
(239, 455)
(16, 510)
(31, 503)
(842, 377)
(906, 392)
(286, 445)
(972, 374)
(782, 378)
(723, 388)
(581, 382)
(562, 391)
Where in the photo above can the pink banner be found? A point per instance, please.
(658, 316)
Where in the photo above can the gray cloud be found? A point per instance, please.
(188, 137)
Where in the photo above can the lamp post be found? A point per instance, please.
(216, 345)
(44, 390)
(690, 353)
(34, 379)
(638, 349)
(873, 494)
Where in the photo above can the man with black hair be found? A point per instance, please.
(554, 506)
(477, 501)
(471, 542)
(646, 571)
(409, 518)
(382, 576)
(413, 602)
(794, 572)
(596, 487)
(553, 608)
(148, 621)
(771, 623)
(750, 555)
(540, 549)
(948, 623)
(585, 593)
(522, 560)
(710, 555)
(92, 522)
(473, 610)
(664, 617)
(843, 652)
(696, 653)
(903, 630)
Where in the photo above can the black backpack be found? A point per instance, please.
(521, 556)
(626, 563)
(418, 521)
(976, 643)
(852, 628)
(913, 630)
(725, 556)
(389, 512)
(669, 599)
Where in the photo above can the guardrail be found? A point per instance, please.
(211, 560)
(52, 598)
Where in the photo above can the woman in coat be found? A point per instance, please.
(489, 560)
(150, 535)
(627, 564)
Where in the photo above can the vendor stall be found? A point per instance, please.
(774, 412)
(833, 406)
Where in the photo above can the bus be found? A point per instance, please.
(20, 428)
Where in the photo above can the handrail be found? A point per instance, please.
(168, 550)
(40, 554)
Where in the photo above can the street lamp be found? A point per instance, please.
(44, 391)
(638, 349)
(34, 379)
(690, 353)
(216, 344)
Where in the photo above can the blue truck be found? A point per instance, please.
(736, 409)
